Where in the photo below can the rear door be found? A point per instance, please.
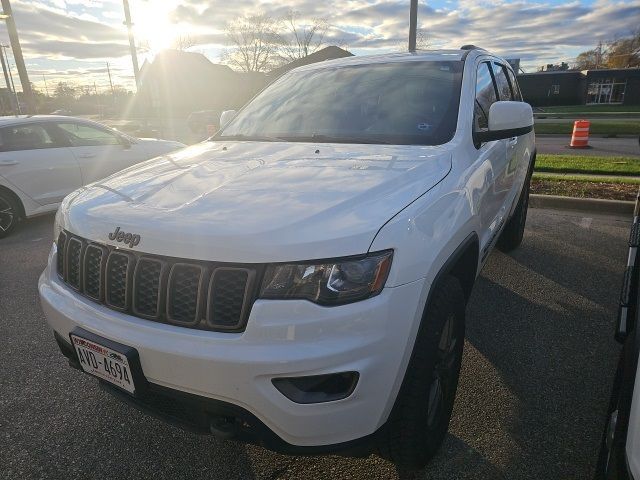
(99, 151)
(38, 162)
(492, 161)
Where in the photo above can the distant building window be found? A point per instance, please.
(606, 90)
(555, 89)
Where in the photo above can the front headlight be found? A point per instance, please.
(57, 227)
(334, 282)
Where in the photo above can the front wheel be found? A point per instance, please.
(420, 418)
(9, 214)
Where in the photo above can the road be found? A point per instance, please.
(625, 146)
(537, 370)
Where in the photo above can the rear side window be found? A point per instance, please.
(81, 135)
(502, 82)
(485, 97)
(517, 96)
(25, 137)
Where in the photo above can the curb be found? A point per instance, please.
(592, 205)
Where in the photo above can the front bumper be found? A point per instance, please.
(282, 339)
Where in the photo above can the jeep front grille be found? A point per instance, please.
(189, 293)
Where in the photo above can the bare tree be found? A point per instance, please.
(183, 42)
(302, 39)
(254, 43)
(423, 41)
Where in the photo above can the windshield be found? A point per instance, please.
(395, 103)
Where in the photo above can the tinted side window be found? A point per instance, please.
(504, 89)
(514, 86)
(485, 97)
(25, 137)
(81, 135)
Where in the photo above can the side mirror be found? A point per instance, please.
(226, 116)
(124, 141)
(507, 119)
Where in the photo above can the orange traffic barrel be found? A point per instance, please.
(580, 136)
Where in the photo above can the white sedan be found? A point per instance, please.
(44, 158)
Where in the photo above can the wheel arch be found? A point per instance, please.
(10, 193)
(462, 264)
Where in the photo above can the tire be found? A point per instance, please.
(511, 236)
(9, 214)
(420, 417)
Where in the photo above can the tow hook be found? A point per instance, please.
(224, 427)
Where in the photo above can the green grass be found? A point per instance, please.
(596, 128)
(588, 164)
(592, 108)
(586, 179)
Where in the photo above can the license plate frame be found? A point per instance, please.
(83, 341)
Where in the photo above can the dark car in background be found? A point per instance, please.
(204, 122)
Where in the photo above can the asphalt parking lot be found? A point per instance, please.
(536, 375)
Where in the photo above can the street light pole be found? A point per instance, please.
(7, 14)
(132, 42)
(413, 24)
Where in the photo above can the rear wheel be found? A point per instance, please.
(420, 418)
(9, 214)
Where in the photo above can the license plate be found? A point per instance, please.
(104, 362)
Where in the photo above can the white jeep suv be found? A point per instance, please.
(299, 280)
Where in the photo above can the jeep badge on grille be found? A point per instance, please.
(130, 239)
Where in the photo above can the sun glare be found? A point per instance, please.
(153, 27)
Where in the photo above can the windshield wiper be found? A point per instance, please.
(248, 138)
(317, 137)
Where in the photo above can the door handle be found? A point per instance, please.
(86, 155)
(8, 163)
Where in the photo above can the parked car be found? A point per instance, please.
(620, 448)
(62, 111)
(44, 158)
(201, 122)
(300, 280)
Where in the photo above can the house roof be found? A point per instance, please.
(328, 53)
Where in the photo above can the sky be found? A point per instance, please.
(72, 40)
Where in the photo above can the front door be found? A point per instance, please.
(37, 162)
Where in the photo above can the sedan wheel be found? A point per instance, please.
(8, 215)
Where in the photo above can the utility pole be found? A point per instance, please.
(7, 14)
(110, 82)
(132, 42)
(413, 25)
(6, 81)
(13, 85)
(46, 89)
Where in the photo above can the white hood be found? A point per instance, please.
(257, 202)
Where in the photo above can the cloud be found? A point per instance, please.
(47, 31)
(538, 31)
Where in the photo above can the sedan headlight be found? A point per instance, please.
(334, 282)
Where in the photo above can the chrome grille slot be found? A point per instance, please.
(117, 280)
(147, 287)
(228, 296)
(62, 244)
(73, 254)
(184, 293)
(95, 258)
